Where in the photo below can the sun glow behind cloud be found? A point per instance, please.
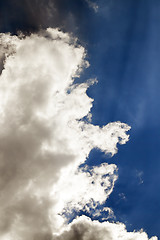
(44, 138)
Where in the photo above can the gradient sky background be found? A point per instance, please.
(122, 39)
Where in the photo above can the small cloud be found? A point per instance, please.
(122, 196)
(92, 5)
(139, 175)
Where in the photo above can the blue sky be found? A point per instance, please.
(124, 52)
(125, 59)
(122, 41)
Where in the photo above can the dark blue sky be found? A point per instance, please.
(123, 45)
(124, 50)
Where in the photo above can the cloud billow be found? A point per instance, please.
(85, 229)
(44, 139)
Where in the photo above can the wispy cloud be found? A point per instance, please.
(92, 5)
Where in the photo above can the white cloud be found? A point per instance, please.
(84, 189)
(85, 229)
(43, 138)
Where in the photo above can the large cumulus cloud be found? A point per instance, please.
(45, 137)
